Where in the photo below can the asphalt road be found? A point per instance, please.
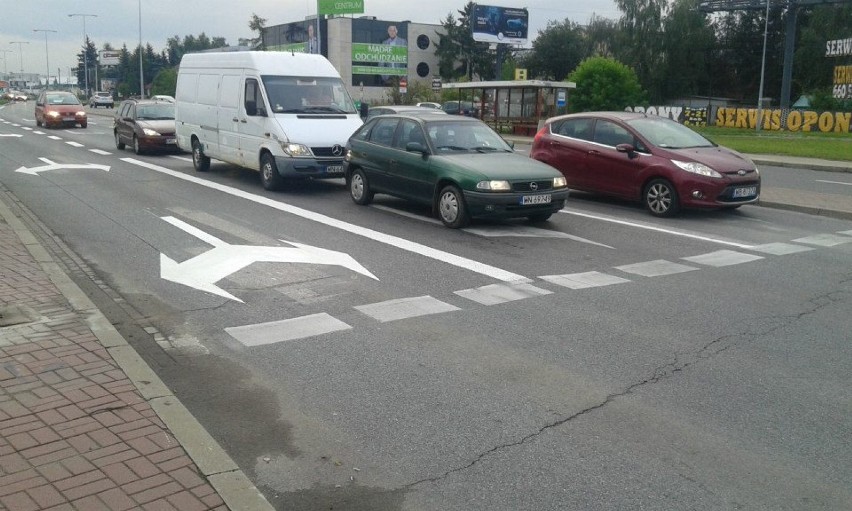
(606, 360)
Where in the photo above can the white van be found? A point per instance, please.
(287, 115)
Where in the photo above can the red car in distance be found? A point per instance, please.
(58, 108)
(642, 157)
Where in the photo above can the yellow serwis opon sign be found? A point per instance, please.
(843, 73)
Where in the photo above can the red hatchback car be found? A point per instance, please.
(59, 108)
(653, 159)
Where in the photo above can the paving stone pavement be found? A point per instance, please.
(76, 433)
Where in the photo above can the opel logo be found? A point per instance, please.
(533, 186)
(741, 172)
(337, 150)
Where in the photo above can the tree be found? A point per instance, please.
(257, 24)
(88, 55)
(165, 82)
(604, 84)
(557, 50)
(458, 54)
(687, 40)
(641, 41)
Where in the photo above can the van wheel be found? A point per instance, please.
(269, 176)
(118, 143)
(199, 161)
(359, 188)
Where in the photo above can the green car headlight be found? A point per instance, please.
(494, 186)
(560, 182)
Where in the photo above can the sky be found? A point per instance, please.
(117, 22)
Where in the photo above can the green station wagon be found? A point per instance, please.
(459, 166)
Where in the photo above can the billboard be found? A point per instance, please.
(110, 57)
(493, 24)
(379, 52)
(298, 37)
(340, 6)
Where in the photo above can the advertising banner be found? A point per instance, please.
(298, 37)
(379, 53)
(110, 57)
(491, 24)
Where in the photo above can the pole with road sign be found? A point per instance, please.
(403, 85)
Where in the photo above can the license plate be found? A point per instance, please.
(535, 199)
(746, 191)
(68, 119)
(171, 141)
(334, 169)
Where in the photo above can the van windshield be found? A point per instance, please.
(305, 95)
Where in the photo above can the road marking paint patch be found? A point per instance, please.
(656, 268)
(780, 248)
(823, 240)
(287, 330)
(404, 308)
(74, 144)
(722, 258)
(100, 151)
(54, 137)
(494, 294)
(38, 132)
(27, 128)
(182, 158)
(584, 280)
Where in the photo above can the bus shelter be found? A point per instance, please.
(517, 107)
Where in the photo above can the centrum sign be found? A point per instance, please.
(340, 6)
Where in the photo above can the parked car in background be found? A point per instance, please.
(400, 109)
(146, 125)
(644, 157)
(101, 98)
(459, 167)
(54, 109)
(163, 97)
(461, 108)
(429, 104)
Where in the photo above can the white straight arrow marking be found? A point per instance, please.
(204, 270)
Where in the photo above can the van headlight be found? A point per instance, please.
(296, 149)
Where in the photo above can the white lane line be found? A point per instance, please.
(823, 240)
(780, 248)
(394, 241)
(520, 231)
(658, 229)
(100, 151)
(833, 182)
(27, 128)
(182, 158)
(38, 132)
(404, 308)
(74, 144)
(54, 137)
(722, 258)
(287, 330)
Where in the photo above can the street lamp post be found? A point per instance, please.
(21, 52)
(46, 53)
(5, 65)
(85, 48)
(762, 70)
(142, 78)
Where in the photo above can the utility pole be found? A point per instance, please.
(141, 77)
(46, 53)
(85, 48)
(21, 52)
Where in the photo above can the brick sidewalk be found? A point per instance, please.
(75, 433)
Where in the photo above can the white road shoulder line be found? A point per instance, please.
(833, 182)
(394, 241)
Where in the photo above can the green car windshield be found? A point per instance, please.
(448, 136)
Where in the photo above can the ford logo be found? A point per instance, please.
(337, 150)
(533, 186)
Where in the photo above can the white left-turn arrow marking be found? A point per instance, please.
(204, 270)
(56, 166)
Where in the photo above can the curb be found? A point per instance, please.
(811, 210)
(812, 165)
(223, 474)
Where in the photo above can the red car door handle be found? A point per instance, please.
(594, 151)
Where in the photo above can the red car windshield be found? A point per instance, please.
(667, 133)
